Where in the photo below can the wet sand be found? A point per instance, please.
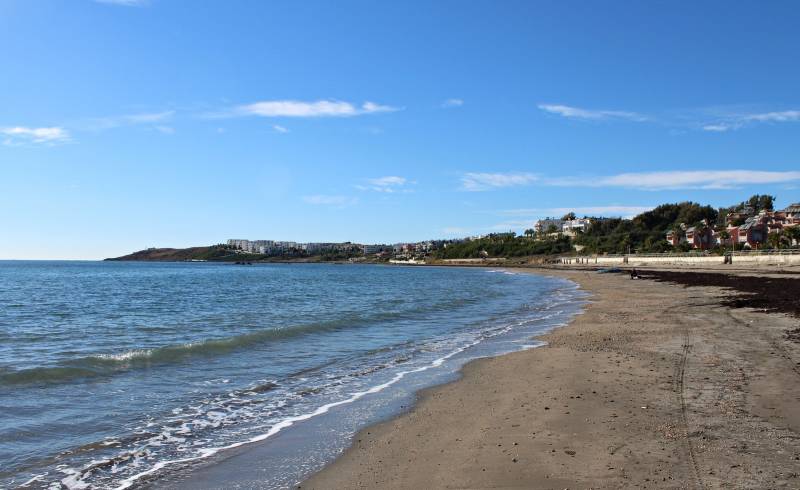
(656, 385)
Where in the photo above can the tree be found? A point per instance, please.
(761, 202)
(568, 217)
(774, 240)
(793, 234)
(530, 232)
(552, 229)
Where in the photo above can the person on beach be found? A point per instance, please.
(634, 274)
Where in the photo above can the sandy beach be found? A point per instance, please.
(656, 385)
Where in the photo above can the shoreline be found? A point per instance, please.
(621, 398)
(247, 465)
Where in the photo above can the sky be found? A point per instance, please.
(127, 124)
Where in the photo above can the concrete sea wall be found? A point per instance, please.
(789, 257)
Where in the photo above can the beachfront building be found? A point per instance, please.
(733, 237)
(753, 232)
(700, 237)
(676, 237)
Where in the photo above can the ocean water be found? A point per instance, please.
(119, 375)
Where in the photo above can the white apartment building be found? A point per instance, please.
(571, 227)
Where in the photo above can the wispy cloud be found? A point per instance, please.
(125, 3)
(718, 120)
(19, 135)
(605, 211)
(450, 103)
(474, 181)
(330, 200)
(591, 114)
(147, 117)
(454, 231)
(279, 129)
(719, 127)
(526, 218)
(737, 121)
(319, 108)
(388, 184)
(111, 122)
(691, 179)
(165, 129)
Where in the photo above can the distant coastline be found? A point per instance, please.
(213, 253)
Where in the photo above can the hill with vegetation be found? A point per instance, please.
(645, 232)
(214, 252)
(224, 253)
(504, 245)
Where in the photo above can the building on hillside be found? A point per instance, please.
(240, 244)
(676, 237)
(739, 216)
(544, 225)
(753, 232)
(700, 237)
(373, 249)
(793, 210)
(572, 227)
(733, 237)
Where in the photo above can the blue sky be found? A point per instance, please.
(127, 124)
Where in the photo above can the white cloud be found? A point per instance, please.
(452, 103)
(717, 119)
(388, 181)
(279, 129)
(691, 179)
(320, 108)
(513, 225)
(719, 128)
(528, 217)
(330, 200)
(738, 121)
(388, 184)
(20, 135)
(111, 122)
(165, 129)
(607, 211)
(147, 117)
(473, 181)
(782, 116)
(589, 114)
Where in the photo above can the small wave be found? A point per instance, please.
(288, 422)
(107, 364)
(110, 363)
(186, 437)
(46, 375)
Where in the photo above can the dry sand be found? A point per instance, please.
(656, 385)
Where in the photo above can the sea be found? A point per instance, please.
(145, 375)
